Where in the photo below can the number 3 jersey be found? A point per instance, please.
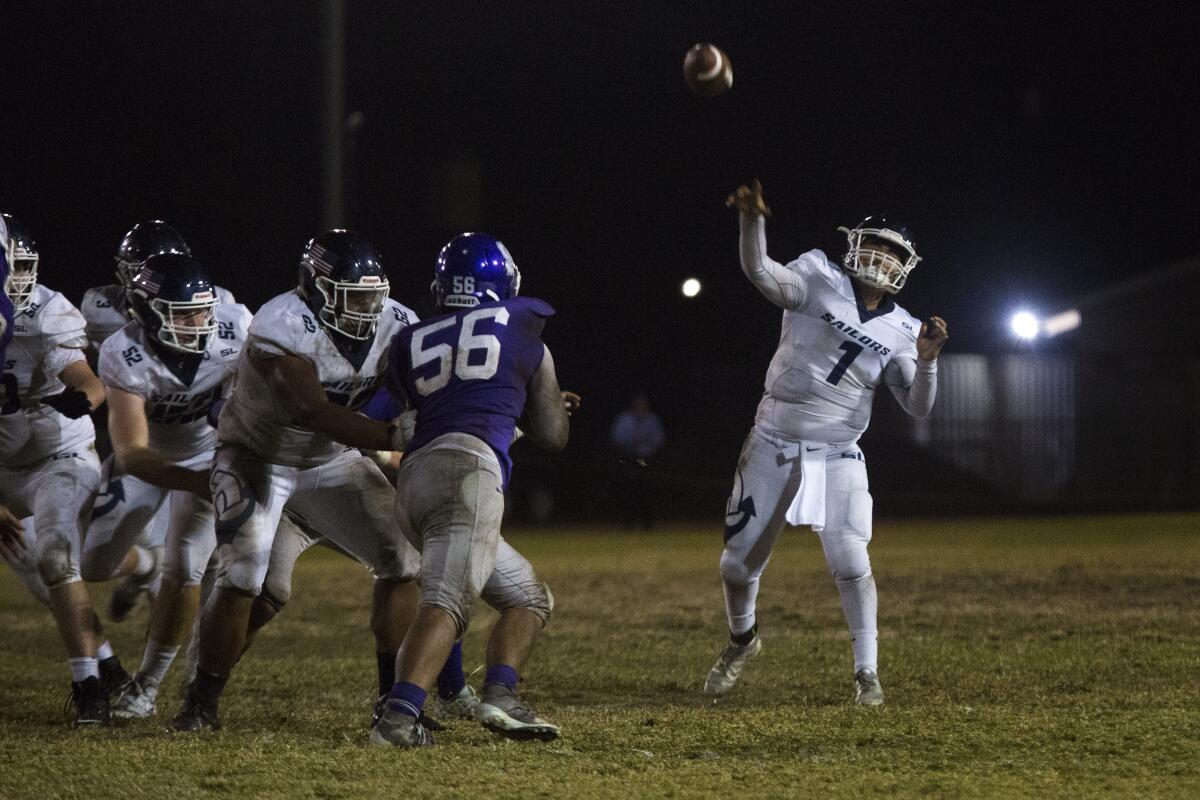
(48, 337)
(832, 355)
(467, 372)
(178, 388)
(254, 418)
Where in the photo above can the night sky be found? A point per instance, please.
(1037, 150)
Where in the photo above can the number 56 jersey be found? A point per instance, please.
(467, 371)
(833, 352)
(178, 390)
(254, 418)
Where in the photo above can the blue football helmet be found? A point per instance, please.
(142, 241)
(474, 268)
(343, 282)
(880, 253)
(175, 302)
(22, 254)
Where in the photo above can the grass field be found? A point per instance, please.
(1048, 657)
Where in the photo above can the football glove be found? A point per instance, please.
(70, 403)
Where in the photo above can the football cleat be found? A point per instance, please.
(394, 729)
(135, 701)
(725, 673)
(463, 705)
(867, 690)
(502, 711)
(113, 676)
(197, 715)
(91, 703)
(381, 706)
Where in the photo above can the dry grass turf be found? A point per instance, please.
(1047, 657)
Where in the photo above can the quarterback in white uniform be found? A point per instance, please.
(128, 527)
(287, 433)
(52, 472)
(842, 337)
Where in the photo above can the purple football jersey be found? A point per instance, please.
(467, 372)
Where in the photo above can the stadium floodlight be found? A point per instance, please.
(1025, 325)
(690, 288)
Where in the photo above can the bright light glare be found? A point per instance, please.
(690, 288)
(1025, 325)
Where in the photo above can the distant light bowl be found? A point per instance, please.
(1025, 325)
(691, 287)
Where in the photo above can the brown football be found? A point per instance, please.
(707, 70)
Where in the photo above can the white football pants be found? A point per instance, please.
(768, 477)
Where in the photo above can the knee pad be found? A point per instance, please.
(848, 561)
(461, 617)
(54, 562)
(734, 571)
(268, 597)
(541, 602)
(240, 574)
(277, 590)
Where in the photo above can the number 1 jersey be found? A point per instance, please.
(833, 353)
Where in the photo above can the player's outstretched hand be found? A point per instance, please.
(70, 403)
(571, 402)
(933, 337)
(749, 200)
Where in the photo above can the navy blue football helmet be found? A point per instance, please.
(175, 302)
(142, 241)
(22, 254)
(474, 268)
(887, 268)
(343, 282)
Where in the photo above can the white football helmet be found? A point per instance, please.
(885, 269)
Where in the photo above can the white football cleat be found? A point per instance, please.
(136, 701)
(463, 705)
(502, 711)
(867, 689)
(725, 673)
(394, 729)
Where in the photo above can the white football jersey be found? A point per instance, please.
(832, 355)
(256, 419)
(177, 404)
(104, 309)
(48, 336)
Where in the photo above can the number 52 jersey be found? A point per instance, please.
(833, 353)
(178, 394)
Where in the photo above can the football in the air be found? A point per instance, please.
(707, 70)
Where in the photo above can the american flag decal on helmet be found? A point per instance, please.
(316, 257)
(150, 280)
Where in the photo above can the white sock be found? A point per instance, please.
(740, 602)
(155, 663)
(104, 651)
(84, 668)
(860, 605)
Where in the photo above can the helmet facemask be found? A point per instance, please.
(874, 266)
(126, 270)
(22, 275)
(352, 309)
(186, 326)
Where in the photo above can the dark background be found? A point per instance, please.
(1039, 151)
